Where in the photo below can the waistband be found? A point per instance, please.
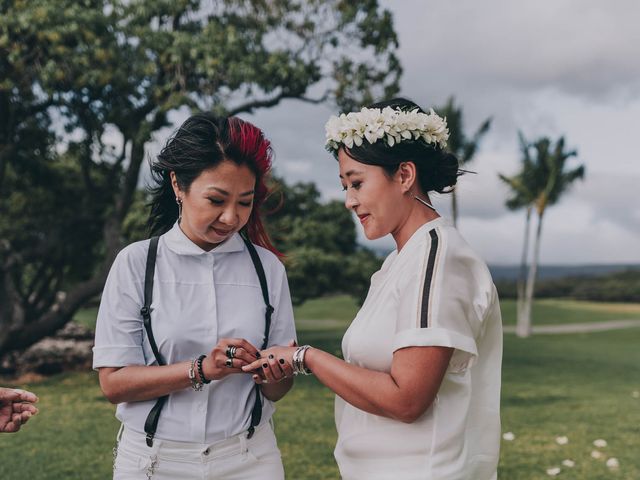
(135, 442)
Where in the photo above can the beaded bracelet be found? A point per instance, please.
(195, 384)
(299, 367)
(203, 379)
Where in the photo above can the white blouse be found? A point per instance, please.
(199, 297)
(435, 292)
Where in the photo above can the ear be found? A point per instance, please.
(407, 175)
(174, 184)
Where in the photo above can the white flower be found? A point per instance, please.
(600, 443)
(388, 124)
(613, 463)
(596, 454)
(552, 472)
(569, 463)
(635, 394)
(563, 440)
(509, 436)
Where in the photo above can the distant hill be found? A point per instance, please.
(510, 272)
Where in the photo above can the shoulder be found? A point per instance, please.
(132, 258)
(270, 261)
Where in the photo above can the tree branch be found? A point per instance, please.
(249, 107)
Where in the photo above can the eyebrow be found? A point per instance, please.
(224, 192)
(351, 172)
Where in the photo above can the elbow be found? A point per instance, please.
(112, 394)
(411, 410)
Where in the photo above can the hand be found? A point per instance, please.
(275, 363)
(215, 365)
(16, 408)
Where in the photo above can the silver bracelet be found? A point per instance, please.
(195, 384)
(299, 368)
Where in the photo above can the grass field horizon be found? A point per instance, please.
(582, 386)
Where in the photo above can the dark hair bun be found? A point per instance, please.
(445, 173)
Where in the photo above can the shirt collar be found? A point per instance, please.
(179, 243)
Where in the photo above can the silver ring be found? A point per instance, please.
(231, 351)
(229, 362)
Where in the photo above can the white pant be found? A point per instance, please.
(234, 458)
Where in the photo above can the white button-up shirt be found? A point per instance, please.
(199, 297)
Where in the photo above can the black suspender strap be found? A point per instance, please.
(256, 413)
(151, 423)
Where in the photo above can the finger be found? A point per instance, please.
(267, 372)
(244, 357)
(9, 394)
(259, 379)
(276, 368)
(24, 407)
(286, 367)
(25, 416)
(26, 396)
(16, 419)
(242, 343)
(10, 427)
(293, 343)
(257, 364)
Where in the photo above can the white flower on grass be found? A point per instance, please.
(552, 472)
(569, 463)
(613, 463)
(508, 436)
(635, 394)
(600, 443)
(563, 440)
(597, 454)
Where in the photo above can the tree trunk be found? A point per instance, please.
(523, 328)
(454, 208)
(522, 274)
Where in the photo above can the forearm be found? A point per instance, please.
(372, 391)
(275, 391)
(138, 383)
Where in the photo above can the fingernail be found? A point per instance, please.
(271, 356)
(264, 365)
(257, 354)
(281, 361)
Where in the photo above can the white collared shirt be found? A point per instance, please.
(435, 292)
(199, 297)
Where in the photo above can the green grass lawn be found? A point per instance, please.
(579, 386)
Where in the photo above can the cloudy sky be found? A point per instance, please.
(553, 67)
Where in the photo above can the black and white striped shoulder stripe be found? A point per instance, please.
(429, 279)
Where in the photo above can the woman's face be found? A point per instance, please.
(375, 198)
(218, 203)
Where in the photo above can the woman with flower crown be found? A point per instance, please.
(418, 391)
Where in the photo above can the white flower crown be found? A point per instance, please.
(388, 124)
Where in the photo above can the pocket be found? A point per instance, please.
(128, 462)
(265, 448)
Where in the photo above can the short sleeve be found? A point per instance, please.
(437, 301)
(119, 328)
(283, 328)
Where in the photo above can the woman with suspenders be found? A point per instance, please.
(183, 312)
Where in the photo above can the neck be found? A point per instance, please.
(418, 215)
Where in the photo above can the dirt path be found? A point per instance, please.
(579, 327)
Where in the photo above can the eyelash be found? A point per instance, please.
(217, 202)
(354, 185)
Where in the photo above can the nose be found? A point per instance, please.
(350, 201)
(229, 215)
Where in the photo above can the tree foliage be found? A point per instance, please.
(85, 85)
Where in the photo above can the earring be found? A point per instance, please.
(179, 202)
(424, 202)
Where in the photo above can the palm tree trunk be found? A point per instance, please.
(522, 274)
(523, 328)
(454, 207)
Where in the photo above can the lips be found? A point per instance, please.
(363, 217)
(222, 233)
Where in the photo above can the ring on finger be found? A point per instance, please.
(229, 362)
(231, 351)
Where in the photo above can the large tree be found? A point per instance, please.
(85, 85)
(545, 177)
(460, 144)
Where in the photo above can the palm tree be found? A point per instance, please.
(458, 144)
(541, 183)
(523, 195)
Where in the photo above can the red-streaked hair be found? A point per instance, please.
(248, 145)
